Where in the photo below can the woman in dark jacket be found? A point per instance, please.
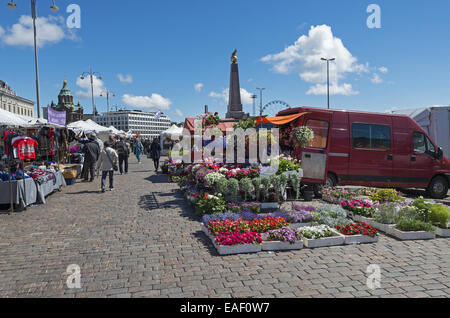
(155, 153)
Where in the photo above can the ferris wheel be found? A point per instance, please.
(274, 107)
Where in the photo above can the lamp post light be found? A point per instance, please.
(328, 77)
(107, 93)
(54, 8)
(254, 97)
(91, 74)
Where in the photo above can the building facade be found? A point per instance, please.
(147, 125)
(65, 104)
(12, 103)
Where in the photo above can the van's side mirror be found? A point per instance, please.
(440, 153)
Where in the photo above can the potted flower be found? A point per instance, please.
(300, 216)
(303, 136)
(359, 233)
(282, 240)
(238, 242)
(320, 236)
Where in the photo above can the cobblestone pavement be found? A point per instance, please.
(143, 241)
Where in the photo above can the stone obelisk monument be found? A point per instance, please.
(235, 103)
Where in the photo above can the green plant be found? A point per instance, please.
(245, 124)
(295, 182)
(285, 165)
(409, 225)
(303, 135)
(257, 184)
(387, 213)
(210, 205)
(247, 187)
(222, 186)
(233, 187)
(276, 182)
(440, 214)
(386, 195)
(265, 181)
(284, 179)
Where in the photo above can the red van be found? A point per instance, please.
(370, 149)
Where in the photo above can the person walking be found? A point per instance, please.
(124, 153)
(91, 151)
(155, 152)
(108, 164)
(139, 150)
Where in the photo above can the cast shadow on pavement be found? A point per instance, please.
(202, 238)
(157, 178)
(149, 202)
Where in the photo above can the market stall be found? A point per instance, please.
(169, 137)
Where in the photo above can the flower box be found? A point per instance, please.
(409, 236)
(281, 246)
(386, 228)
(299, 225)
(237, 249)
(442, 232)
(359, 218)
(338, 239)
(206, 231)
(359, 239)
(269, 205)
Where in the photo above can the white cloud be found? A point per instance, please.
(198, 87)
(383, 69)
(321, 89)
(2, 31)
(50, 30)
(125, 79)
(179, 113)
(154, 102)
(304, 58)
(246, 97)
(376, 79)
(85, 85)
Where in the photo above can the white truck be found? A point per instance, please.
(435, 121)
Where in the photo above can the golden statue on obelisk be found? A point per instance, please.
(234, 58)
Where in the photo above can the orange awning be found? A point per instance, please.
(282, 120)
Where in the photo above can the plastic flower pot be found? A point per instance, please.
(237, 249)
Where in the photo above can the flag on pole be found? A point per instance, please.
(158, 115)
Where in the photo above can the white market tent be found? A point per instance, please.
(9, 119)
(173, 132)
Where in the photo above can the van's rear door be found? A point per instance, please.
(371, 152)
(315, 154)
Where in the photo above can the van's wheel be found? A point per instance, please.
(318, 190)
(438, 188)
(331, 181)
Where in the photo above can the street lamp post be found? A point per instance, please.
(328, 77)
(254, 97)
(107, 92)
(54, 8)
(261, 103)
(91, 75)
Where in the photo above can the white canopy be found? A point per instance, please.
(10, 119)
(88, 126)
(173, 131)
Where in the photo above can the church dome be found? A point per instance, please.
(65, 91)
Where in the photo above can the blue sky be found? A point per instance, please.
(164, 48)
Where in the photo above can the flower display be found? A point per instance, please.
(316, 232)
(303, 135)
(217, 226)
(284, 234)
(360, 207)
(238, 238)
(357, 229)
(332, 215)
(267, 224)
(220, 217)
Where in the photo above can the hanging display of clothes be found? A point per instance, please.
(24, 148)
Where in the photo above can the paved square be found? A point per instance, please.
(142, 240)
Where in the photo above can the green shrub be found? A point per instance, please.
(408, 225)
(386, 195)
(210, 206)
(440, 214)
